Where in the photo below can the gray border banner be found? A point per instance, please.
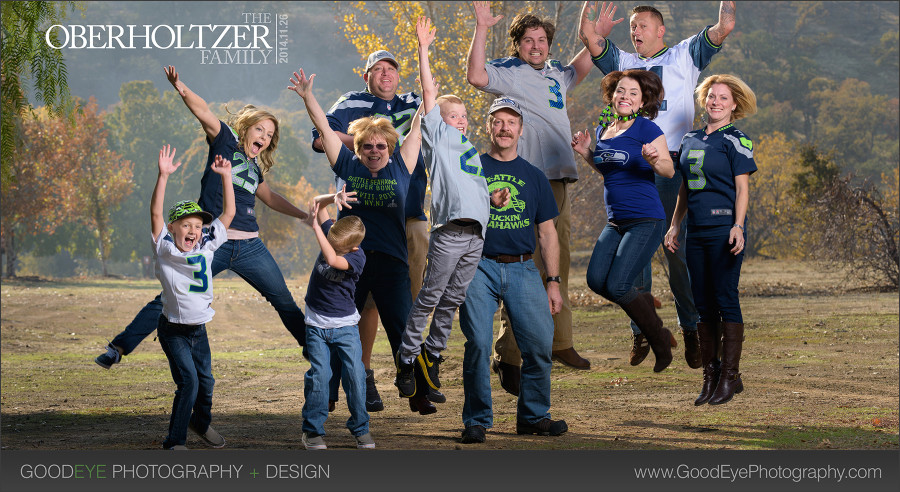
(463, 470)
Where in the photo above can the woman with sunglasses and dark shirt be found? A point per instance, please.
(379, 172)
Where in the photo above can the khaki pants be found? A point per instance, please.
(505, 349)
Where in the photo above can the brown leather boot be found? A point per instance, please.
(708, 336)
(730, 380)
(640, 347)
(691, 348)
(643, 313)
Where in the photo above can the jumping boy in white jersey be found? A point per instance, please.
(460, 206)
(184, 253)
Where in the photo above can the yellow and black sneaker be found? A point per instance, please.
(431, 368)
(406, 378)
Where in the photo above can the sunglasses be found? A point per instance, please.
(369, 146)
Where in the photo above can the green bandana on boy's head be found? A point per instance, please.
(609, 115)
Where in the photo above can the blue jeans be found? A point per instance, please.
(251, 260)
(387, 278)
(619, 254)
(715, 272)
(323, 345)
(521, 289)
(679, 276)
(187, 349)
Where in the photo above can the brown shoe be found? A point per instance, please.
(570, 357)
(640, 347)
(510, 376)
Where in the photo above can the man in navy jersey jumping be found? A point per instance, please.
(679, 68)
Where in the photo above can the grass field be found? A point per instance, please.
(820, 370)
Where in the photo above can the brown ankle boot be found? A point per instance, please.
(691, 348)
(730, 380)
(642, 312)
(640, 347)
(708, 337)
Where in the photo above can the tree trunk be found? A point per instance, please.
(9, 247)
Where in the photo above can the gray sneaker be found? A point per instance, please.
(210, 437)
(178, 447)
(313, 442)
(365, 441)
(112, 356)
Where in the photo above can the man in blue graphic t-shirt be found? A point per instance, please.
(507, 273)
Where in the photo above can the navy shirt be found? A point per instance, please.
(511, 229)
(380, 201)
(629, 187)
(709, 164)
(400, 110)
(245, 176)
(331, 292)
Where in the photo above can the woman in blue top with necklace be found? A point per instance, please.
(630, 149)
(717, 162)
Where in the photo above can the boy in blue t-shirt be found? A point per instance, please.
(331, 323)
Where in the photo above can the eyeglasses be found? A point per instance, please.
(369, 146)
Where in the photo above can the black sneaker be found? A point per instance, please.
(435, 396)
(545, 427)
(472, 434)
(373, 399)
(406, 378)
(431, 368)
(112, 356)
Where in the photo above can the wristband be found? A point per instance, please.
(553, 279)
(738, 225)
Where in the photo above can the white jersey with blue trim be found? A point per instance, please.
(186, 277)
(679, 68)
(547, 134)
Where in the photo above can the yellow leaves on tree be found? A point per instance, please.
(772, 210)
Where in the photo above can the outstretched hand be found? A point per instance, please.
(311, 214)
(301, 85)
(166, 155)
(581, 142)
(597, 22)
(344, 198)
(500, 198)
(483, 15)
(172, 76)
(425, 32)
(221, 166)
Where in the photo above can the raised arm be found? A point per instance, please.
(331, 142)
(316, 216)
(195, 103)
(166, 168)
(475, 71)
(222, 167)
(723, 28)
(595, 26)
(409, 150)
(425, 34)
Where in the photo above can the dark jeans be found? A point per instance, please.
(187, 349)
(715, 273)
(251, 260)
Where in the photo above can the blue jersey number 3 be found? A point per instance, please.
(200, 275)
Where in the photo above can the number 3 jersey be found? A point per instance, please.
(542, 94)
(708, 165)
(186, 277)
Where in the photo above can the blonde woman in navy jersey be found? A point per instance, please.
(716, 162)
(248, 140)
